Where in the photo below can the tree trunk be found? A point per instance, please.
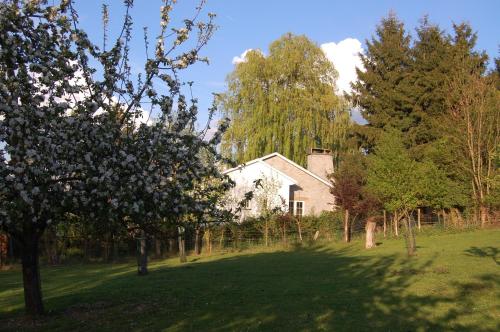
(284, 233)
(457, 217)
(221, 241)
(182, 244)
(483, 212)
(266, 232)
(116, 247)
(31, 272)
(370, 227)
(396, 224)
(172, 246)
(197, 241)
(385, 225)
(51, 247)
(208, 240)
(410, 237)
(86, 250)
(142, 262)
(11, 249)
(108, 243)
(4, 245)
(157, 247)
(47, 247)
(235, 234)
(299, 229)
(347, 233)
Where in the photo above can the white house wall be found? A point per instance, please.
(245, 178)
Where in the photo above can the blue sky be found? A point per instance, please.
(254, 24)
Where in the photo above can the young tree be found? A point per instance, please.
(72, 144)
(350, 190)
(348, 185)
(475, 131)
(395, 178)
(286, 101)
(269, 201)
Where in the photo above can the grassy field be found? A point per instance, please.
(453, 284)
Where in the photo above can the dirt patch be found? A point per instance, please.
(441, 270)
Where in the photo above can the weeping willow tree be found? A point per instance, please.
(284, 102)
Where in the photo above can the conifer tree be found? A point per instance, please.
(430, 69)
(381, 91)
(432, 65)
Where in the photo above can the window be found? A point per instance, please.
(299, 209)
(246, 205)
(296, 208)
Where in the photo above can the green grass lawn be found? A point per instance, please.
(453, 284)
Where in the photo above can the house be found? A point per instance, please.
(284, 184)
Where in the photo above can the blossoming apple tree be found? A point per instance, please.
(70, 137)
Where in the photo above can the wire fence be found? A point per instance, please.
(57, 247)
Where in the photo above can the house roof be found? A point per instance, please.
(261, 162)
(276, 154)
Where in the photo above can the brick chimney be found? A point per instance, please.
(320, 162)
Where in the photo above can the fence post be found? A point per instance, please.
(142, 256)
(182, 243)
(418, 218)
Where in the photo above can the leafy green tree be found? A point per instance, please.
(475, 131)
(394, 177)
(283, 102)
(469, 124)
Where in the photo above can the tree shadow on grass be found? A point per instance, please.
(492, 252)
(306, 289)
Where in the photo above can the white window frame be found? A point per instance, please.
(294, 205)
(247, 205)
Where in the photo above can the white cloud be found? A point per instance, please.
(242, 57)
(345, 57)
